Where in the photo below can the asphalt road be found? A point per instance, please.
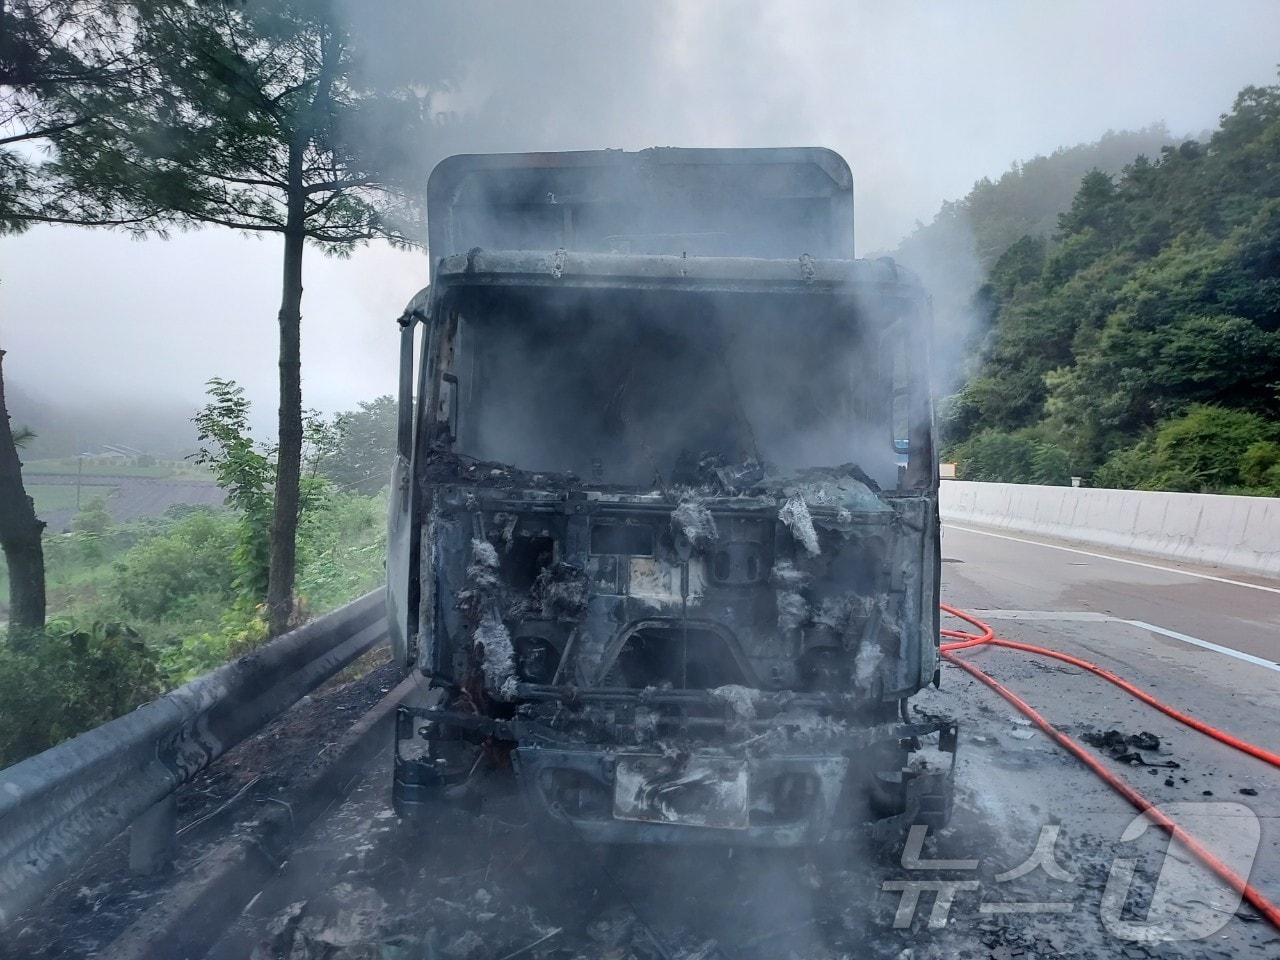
(997, 570)
(1204, 641)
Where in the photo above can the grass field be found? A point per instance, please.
(50, 497)
(75, 571)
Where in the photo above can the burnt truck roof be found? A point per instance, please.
(803, 274)
(768, 203)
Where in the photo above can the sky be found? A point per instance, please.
(921, 98)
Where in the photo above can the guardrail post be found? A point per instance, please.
(153, 837)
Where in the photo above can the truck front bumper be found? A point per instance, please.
(699, 793)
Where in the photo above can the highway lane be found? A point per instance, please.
(1205, 646)
(1000, 570)
(1176, 631)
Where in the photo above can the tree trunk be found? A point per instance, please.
(20, 534)
(284, 523)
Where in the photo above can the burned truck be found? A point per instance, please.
(664, 537)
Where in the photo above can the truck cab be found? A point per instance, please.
(664, 533)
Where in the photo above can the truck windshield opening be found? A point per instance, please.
(645, 387)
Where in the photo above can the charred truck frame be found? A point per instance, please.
(664, 532)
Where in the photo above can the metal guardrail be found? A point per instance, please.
(60, 806)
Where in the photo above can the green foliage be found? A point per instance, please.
(1208, 443)
(67, 679)
(1209, 449)
(342, 546)
(1093, 208)
(58, 59)
(90, 525)
(256, 117)
(250, 116)
(222, 426)
(1159, 294)
(357, 449)
(237, 632)
(92, 518)
(1137, 468)
(1260, 467)
(163, 576)
(246, 473)
(957, 253)
(999, 457)
(1027, 200)
(173, 580)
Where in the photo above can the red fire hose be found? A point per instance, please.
(965, 640)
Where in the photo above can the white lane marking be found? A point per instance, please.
(1246, 657)
(1103, 556)
(1071, 616)
(1039, 615)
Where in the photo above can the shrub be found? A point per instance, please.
(1260, 467)
(161, 577)
(998, 457)
(242, 629)
(341, 549)
(1208, 449)
(92, 518)
(1135, 467)
(67, 679)
(1209, 443)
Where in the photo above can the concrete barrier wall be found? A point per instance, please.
(1240, 533)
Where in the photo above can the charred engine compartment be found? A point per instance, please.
(735, 655)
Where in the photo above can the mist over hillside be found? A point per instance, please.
(1134, 340)
(1028, 197)
(75, 423)
(954, 252)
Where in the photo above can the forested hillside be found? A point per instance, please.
(1027, 199)
(1138, 344)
